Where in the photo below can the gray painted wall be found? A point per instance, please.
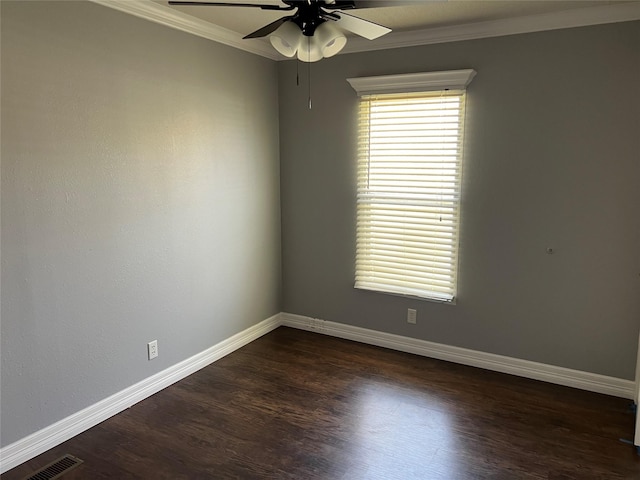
(140, 201)
(552, 160)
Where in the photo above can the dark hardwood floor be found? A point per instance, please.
(299, 405)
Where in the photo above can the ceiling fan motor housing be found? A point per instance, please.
(311, 14)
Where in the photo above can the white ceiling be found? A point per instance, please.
(417, 15)
(413, 22)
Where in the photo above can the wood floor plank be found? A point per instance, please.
(299, 405)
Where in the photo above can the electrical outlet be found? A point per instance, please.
(411, 315)
(152, 349)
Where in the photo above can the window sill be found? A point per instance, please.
(441, 301)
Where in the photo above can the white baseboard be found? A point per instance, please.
(25, 449)
(523, 368)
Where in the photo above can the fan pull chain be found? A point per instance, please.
(309, 70)
(310, 104)
(297, 73)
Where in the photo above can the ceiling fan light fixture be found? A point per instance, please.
(330, 39)
(309, 50)
(287, 39)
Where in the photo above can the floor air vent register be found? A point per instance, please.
(56, 469)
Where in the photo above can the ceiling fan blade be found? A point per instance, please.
(389, 3)
(268, 29)
(359, 26)
(227, 4)
(339, 5)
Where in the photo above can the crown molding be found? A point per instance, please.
(174, 19)
(582, 17)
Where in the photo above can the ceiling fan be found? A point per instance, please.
(315, 28)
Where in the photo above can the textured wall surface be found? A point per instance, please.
(552, 160)
(140, 201)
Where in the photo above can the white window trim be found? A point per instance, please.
(410, 83)
(413, 82)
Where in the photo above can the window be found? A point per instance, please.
(409, 175)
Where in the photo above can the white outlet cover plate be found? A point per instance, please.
(152, 349)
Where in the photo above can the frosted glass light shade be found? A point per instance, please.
(286, 39)
(309, 50)
(329, 38)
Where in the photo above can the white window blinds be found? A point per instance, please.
(409, 173)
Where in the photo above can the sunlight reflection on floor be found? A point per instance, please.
(399, 433)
